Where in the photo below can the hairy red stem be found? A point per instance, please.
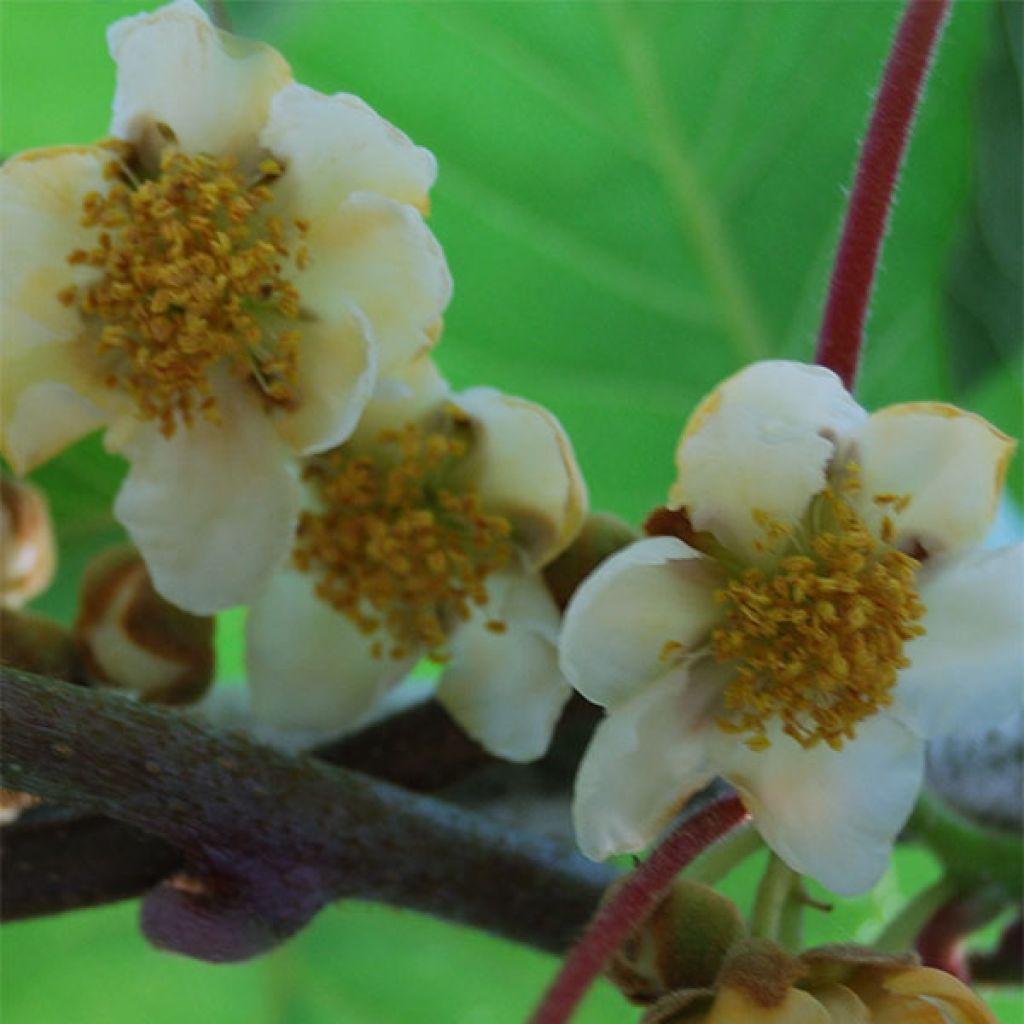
(635, 899)
(842, 330)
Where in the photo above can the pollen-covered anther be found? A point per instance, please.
(192, 278)
(400, 542)
(817, 639)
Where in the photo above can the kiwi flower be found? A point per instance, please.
(423, 536)
(221, 284)
(811, 612)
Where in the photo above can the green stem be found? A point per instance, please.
(773, 895)
(791, 927)
(721, 857)
(901, 932)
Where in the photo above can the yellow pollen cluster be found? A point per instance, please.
(818, 640)
(192, 279)
(399, 544)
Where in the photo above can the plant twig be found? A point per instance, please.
(268, 839)
(842, 331)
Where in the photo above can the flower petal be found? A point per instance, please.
(967, 670)
(333, 146)
(337, 372)
(504, 688)
(48, 398)
(645, 760)
(213, 89)
(627, 621)
(213, 509)
(378, 255)
(413, 394)
(939, 990)
(843, 1004)
(761, 441)
(950, 463)
(832, 815)
(525, 469)
(733, 1006)
(309, 667)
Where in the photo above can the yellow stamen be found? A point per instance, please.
(817, 640)
(400, 543)
(193, 278)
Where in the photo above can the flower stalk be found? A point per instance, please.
(632, 903)
(842, 330)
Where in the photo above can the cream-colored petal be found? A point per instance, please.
(213, 509)
(213, 89)
(958, 1003)
(378, 255)
(733, 1006)
(414, 394)
(950, 463)
(309, 667)
(525, 469)
(645, 760)
(333, 146)
(504, 688)
(48, 395)
(639, 614)
(43, 420)
(832, 815)
(337, 372)
(843, 1004)
(761, 441)
(967, 671)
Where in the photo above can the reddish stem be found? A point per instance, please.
(842, 330)
(635, 899)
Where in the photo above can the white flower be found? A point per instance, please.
(220, 285)
(424, 536)
(818, 613)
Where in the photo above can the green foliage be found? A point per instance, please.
(634, 202)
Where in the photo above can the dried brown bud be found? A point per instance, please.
(130, 638)
(602, 535)
(13, 802)
(27, 551)
(35, 644)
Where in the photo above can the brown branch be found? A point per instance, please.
(268, 839)
(58, 859)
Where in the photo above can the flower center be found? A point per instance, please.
(401, 542)
(817, 640)
(193, 279)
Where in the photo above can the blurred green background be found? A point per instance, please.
(596, 276)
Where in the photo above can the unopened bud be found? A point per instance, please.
(681, 945)
(35, 644)
(602, 535)
(132, 639)
(27, 552)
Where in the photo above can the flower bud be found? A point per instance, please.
(27, 553)
(35, 644)
(130, 638)
(681, 945)
(602, 535)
